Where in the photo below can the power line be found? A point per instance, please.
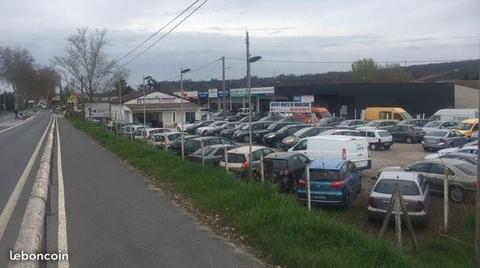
(194, 70)
(343, 62)
(157, 32)
(165, 35)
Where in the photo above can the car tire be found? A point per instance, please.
(409, 140)
(387, 147)
(456, 194)
(373, 147)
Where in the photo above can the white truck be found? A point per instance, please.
(455, 114)
(350, 148)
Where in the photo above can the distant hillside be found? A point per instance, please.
(459, 70)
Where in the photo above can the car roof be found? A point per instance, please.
(447, 161)
(335, 138)
(334, 164)
(220, 145)
(244, 149)
(281, 155)
(471, 120)
(402, 175)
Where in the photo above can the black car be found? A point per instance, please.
(243, 133)
(193, 128)
(406, 133)
(258, 135)
(227, 133)
(255, 118)
(415, 122)
(352, 124)
(176, 146)
(234, 118)
(212, 154)
(274, 139)
(192, 145)
(284, 169)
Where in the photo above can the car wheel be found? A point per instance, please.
(409, 140)
(387, 147)
(456, 193)
(373, 147)
(246, 138)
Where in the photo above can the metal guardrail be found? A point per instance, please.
(31, 232)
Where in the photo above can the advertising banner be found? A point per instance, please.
(290, 107)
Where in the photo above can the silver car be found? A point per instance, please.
(415, 191)
(443, 138)
(462, 176)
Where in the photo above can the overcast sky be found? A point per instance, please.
(307, 30)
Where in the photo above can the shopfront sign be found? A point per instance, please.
(304, 98)
(291, 107)
(155, 97)
(212, 93)
(242, 92)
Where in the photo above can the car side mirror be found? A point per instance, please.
(374, 178)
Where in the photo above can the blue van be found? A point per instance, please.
(332, 182)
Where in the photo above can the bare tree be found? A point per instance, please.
(86, 61)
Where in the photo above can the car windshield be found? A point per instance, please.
(301, 132)
(385, 186)
(217, 124)
(344, 123)
(283, 129)
(407, 122)
(275, 164)
(236, 158)
(437, 133)
(464, 126)
(433, 124)
(324, 175)
(373, 123)
(468, 169)
(192, 145)
(206, 151)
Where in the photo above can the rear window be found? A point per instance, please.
(159, 138)
(383, 134)
(192, 145)
(385, 186)
(236, 158)
(324, 175)
(467, 169)
(275, 164)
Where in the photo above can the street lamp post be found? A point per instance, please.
(249, 60)
(182, 71)
(144, 101)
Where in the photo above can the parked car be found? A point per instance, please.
(380, 113)
(354, 149)
(438, 125)
(415, 122)
(191, 145)
(274, 139)
(130, 129)
(176, 146)
(228, 133)
(284, 169)
(330, 121)
(378, 124)
(255, 118)
(302, 133)
(234, 118)
(468, 127)
(273, 117)
(462, 176)
(443, 138)
(332, 182)
(406, 133)
(243, 133)
(352, 124)
(193, 128)
(377, 138)
(211, 154)
(163, 140)
(467, 157)
(210, 129)
(466, 148)
(185, 126)
(238, 159)
(415, 191)
(274, 127)
(343, 132)
(457, 115)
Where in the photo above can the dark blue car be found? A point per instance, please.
(332, 182)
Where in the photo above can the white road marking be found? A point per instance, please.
(15, 195)
(62, 215)
(14, 126)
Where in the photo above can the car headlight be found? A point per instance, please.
(288, 140)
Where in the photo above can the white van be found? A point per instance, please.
(454, 114)
(350, 148)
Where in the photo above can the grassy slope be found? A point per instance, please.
(273, 223)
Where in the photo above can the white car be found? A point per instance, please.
(379, 124)
(185, 126)
(163, 140)
(377, 138)
(210, 129)
(471, 149)
(354, 149)
(143, 133)
(238, 158)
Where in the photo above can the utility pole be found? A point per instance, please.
(120, 91)
(223, 86)
(249, 109)
(183, 112)
(144, 100)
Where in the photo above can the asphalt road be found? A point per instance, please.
(16, 148)
(115, 220)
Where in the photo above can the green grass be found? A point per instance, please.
(275, 224)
